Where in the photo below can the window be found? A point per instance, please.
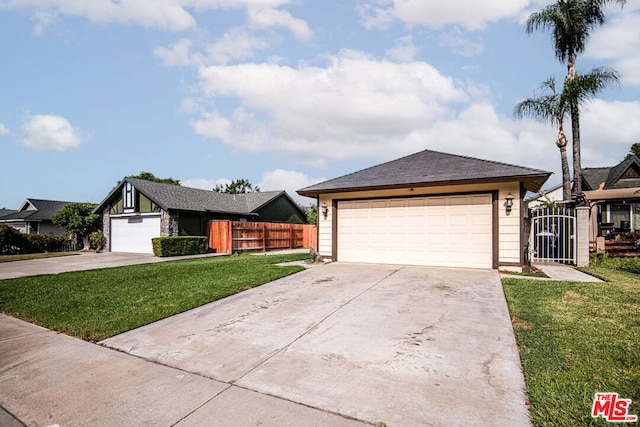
(127, 197)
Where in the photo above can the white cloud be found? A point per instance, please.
(290, 181)
(178, 54)
(50, 132)
(167, 15)
(204, 184)
(353, 105)
(619, 42)
(607, 131)
(3, 130)
(261, 17)
(470, 14)
(403, 51)
(460, 44)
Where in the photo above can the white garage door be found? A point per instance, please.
(134, 234)
(447, 231)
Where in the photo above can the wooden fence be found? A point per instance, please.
(235, 236)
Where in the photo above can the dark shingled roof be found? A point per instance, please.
(430, 168)
(43, 211)
(179, 198)
(625, 174)
(4, 212)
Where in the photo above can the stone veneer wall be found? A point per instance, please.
(168, 223)
(106, 228)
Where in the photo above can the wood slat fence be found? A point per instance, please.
(235, 236)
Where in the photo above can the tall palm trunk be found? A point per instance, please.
(575, 131)
(566, 175)
(577, 165)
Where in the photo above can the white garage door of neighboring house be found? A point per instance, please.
(134, 234)
(447, 231)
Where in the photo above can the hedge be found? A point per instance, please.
(179, 245)
(14, 242)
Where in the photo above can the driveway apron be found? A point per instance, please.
(377, 343)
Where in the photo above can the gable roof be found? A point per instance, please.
(625, 174)
(36, 210)
(178, 198)
(430, 168)
(4, 212)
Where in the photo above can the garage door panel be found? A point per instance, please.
(134, 234)
(434, 231)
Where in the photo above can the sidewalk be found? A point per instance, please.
(557, 272)
(48, 378)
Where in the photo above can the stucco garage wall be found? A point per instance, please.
(509, 224)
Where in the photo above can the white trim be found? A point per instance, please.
(136, 214)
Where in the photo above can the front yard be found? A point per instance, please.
(577, 339)
(94, 305)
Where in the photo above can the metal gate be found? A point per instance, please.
(553, 235)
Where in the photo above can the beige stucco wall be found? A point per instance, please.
(509, 225)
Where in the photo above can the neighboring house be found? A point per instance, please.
(34, 217)
(429, 208)
(544, 197)
(136, 211)
(613, 194)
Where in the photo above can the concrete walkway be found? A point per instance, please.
(335, 345)
(556, 272)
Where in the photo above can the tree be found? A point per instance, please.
(312, 214)
(78, 220)
(550, 107)
(571, 22)
(634, 150)
(237, 186)
(148, 176)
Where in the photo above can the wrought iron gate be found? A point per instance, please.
(553, 235)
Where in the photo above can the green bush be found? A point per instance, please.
(97, 240)
(14, 242)
(36, 243)
(179, 245)
(11, 240)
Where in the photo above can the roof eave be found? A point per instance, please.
(532, 183)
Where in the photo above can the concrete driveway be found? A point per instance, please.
(407, 346)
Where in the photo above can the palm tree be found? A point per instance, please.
(550, 107)
(571, 22)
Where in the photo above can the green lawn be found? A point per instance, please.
(94, 305)
(577, 339)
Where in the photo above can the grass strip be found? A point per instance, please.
(576, 339)
(25, 257)
(97, 304)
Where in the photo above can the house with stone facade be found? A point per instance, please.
(136, 211)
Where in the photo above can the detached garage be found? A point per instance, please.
(429, 208)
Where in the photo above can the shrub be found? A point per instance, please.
(97, 240)
(36, 243)
(11, 240)
(179, 245)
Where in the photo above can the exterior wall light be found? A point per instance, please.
(325, 210)
(508, 204)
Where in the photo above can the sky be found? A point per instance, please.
(285, 93)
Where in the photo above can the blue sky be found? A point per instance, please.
(284, 93)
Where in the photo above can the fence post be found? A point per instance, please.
(582, 236)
